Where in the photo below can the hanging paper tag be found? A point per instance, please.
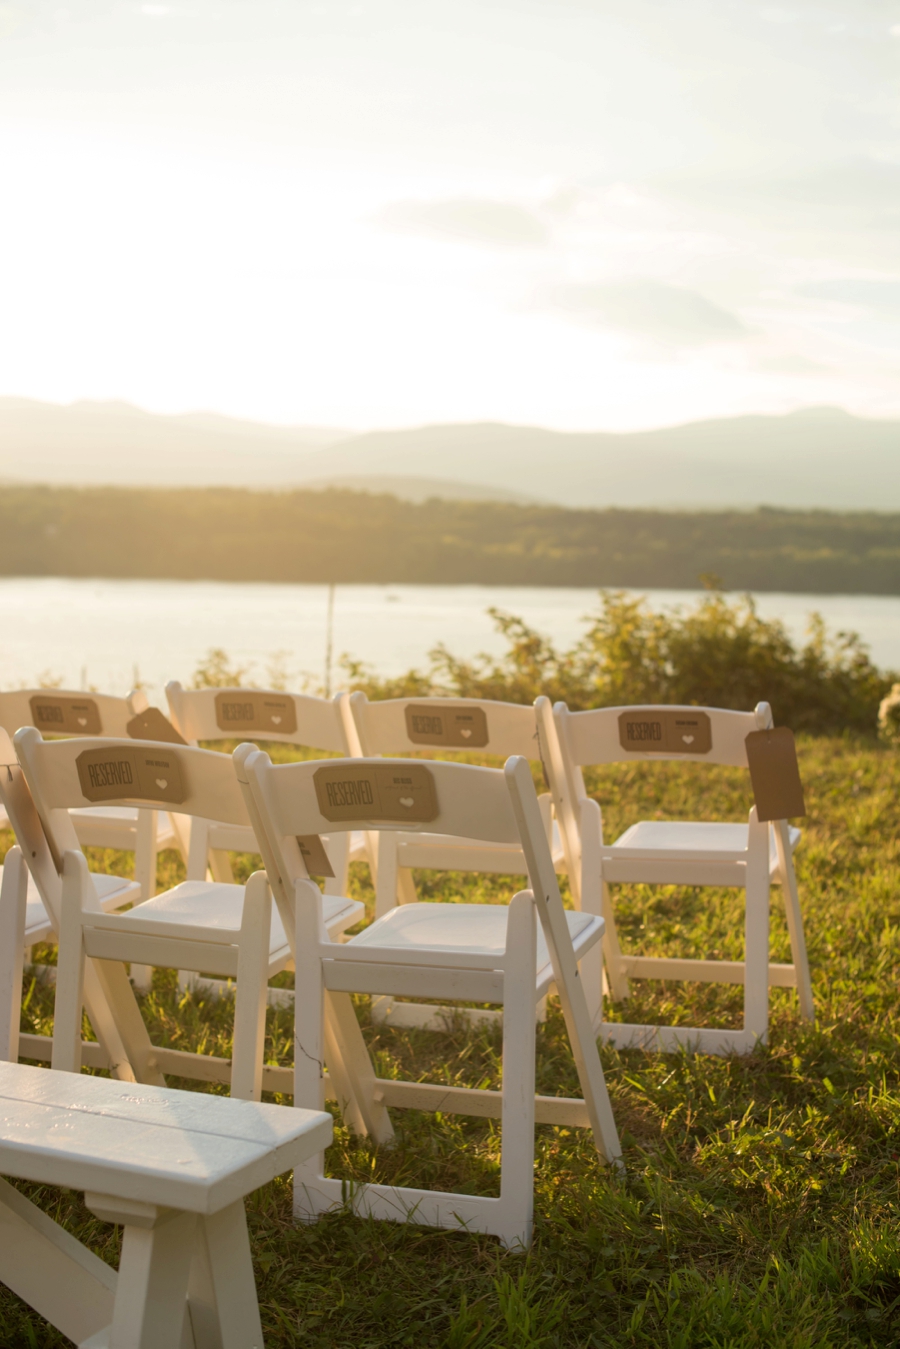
(130, 775)
(369, 792)
(775, 774)
(452, 727)
(665, 731)
(315, 857)
(246, 712)
(154, 725)
(64, 714)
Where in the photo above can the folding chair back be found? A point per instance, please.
(209, 715)
(263, 714)
(401, 726)
(677, 852)
(63, 712)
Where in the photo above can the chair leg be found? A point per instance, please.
(517, 1143)
(13, 902)
(145, 875)
(69, 997)
(619, 987)
(251, 993)
(794, 920)
(756, 950)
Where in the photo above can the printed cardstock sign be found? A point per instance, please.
(453, 727)
(346, 792)
(60, 714)
(117, 774)
(665, 731)
(775, 774)
(240, 711)
(315, 858)
(153, 725)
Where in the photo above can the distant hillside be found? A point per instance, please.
(222, 534)
(116, 443)
(816, 458)
(418, 489)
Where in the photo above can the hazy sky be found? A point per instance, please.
(579, 213)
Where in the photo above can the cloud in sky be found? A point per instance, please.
(497, 224)
(650, 309)
(879, 295)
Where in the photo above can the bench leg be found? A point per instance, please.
(222, 1291)
(151, 1291)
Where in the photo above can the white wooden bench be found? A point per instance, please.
(173, 1167)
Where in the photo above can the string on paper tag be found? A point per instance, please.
(154, 725)
(315, 858)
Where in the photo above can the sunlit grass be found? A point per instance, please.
(760, 1202)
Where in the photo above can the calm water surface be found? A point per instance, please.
(106, 634)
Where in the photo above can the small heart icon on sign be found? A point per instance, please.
(82, 721)
(276, 721)
(688, 739)
(162, 783)
(407, 801)
(465, 732)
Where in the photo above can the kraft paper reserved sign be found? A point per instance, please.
(153, 725)
(315, 858)
(62, 714)
(130, 775)
(449, 726)
(775, 774)
(242, 711)
(665, 731)
(345, 792)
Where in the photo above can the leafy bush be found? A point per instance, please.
(719, 654)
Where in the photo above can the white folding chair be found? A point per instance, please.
(679, 852)
(204, 926)
(401, 726)
(59, 712)
(502, 954)
(209, 715)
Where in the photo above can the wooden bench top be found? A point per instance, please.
(180, 1149)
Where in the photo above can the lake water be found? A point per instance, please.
(107, 634)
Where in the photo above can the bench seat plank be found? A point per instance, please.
(185, 1150)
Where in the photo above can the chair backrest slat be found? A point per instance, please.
(65, 712)
(653, 732)
(161, 777)
(443, 725)
(264, 714)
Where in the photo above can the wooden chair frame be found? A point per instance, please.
(574, 739)
(473, 803)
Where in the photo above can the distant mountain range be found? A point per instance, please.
(815, 458)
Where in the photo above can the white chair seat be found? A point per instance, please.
(674, 836)
(112, 892)
(466, 929)
(214, 904)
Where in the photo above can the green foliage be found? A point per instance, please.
(356, 537)
(719, 654)
(758, 1209)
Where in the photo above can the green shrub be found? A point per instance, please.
(721, 653)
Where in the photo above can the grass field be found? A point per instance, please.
(759, 1207)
